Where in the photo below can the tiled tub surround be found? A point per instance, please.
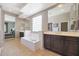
(31, 40)
(31, 44)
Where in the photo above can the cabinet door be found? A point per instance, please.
(47, 41)
(57, 43)
(71, 46)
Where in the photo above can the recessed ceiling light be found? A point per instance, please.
(61, 5)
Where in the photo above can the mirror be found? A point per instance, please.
(63, 17)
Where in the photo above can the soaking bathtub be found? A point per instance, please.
(31, 40)
(31, 44)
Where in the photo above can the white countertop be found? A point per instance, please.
(73, 34)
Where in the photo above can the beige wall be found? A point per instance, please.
(21, 25)
(1, 27)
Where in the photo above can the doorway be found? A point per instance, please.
(9, 26)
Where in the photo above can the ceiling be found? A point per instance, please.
(12, 7)
(25, 9)
(28, 9)
(33, 8)
(60, 9)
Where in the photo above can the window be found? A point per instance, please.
(37, 24)
(9, 18)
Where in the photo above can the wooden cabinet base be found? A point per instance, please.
(64, 45)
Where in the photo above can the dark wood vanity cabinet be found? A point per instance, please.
(56, 43)
(71, 46)
(64, 45)
(47, 41)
